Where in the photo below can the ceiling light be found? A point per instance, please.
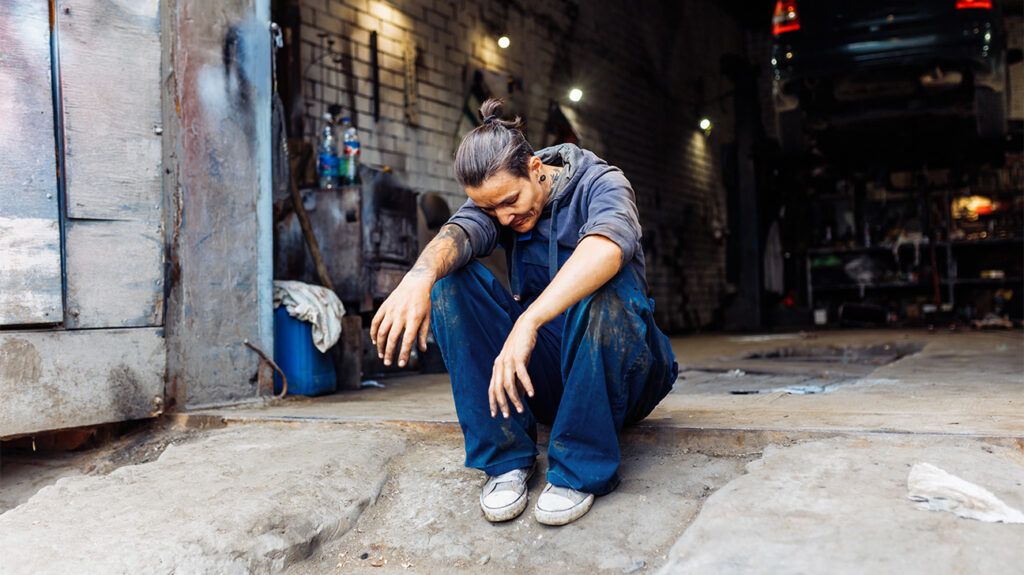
(504, 42)
(575, 94)
(705, 125)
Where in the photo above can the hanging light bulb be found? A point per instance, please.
(705, 125)
(575, 94)
(504, 42)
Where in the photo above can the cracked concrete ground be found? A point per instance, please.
(713, 482)
(840, 506)
(313, 498)
(245, 500)
(428, 518)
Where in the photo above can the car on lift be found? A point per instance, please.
(843, 62)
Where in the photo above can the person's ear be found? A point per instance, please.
(534, 163)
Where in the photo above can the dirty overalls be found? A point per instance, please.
(601, 364)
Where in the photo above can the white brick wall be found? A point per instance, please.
(641, 101)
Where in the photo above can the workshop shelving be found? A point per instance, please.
(935, 267)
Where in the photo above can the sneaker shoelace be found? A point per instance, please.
(566, 492)
(512, 477)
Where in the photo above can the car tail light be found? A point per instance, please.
(785, 19)
(971, 4)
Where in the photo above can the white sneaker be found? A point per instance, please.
(561, 505)
(504, 496)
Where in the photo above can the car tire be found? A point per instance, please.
(790, 126)
(990, 113)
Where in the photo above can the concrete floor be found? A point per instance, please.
(963, 383)
(740, 470)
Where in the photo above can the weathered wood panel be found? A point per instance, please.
(30, 286)
(110, 80)
(30, 282)
(60, 379)
(114, 274)
(217, 65)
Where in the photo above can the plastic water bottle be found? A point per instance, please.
(350, 166)
(327, 163)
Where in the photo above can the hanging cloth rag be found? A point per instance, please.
(315, 304)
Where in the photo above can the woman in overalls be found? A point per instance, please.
(573, 346)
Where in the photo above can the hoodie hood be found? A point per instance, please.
(574, 161)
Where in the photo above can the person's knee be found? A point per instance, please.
(441, 289)
(621, 292)
(612, 314)
(465, 282)
(448, 284)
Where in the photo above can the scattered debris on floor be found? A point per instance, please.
(871, 355)
(635, 567)
(771, 337)
(796, 370)
(937, 490)
(738, 382)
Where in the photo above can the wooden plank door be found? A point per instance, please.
(105, 359)
(30, 256)
(110, 88)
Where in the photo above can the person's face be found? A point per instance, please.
(516, 202)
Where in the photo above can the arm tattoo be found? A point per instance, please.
(447, 252)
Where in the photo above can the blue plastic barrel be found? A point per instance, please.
(309, 371)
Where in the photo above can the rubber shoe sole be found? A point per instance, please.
(512, 510)
(507, 513)
(564, 516)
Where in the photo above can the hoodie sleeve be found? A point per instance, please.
(611, 212)
(481, 229)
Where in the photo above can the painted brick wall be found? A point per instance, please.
(646, 82)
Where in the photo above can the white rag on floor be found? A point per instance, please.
(937, 490)
(315, 304)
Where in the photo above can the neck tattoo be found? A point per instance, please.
(553, 178)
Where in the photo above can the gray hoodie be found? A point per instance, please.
(591, 197)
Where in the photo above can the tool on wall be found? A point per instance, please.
(475, 94)
(319, 83)
(282, 165)
(307, 232)
(411, 113)
(375, 76)
(482, 84)
(345, 63)
(343, 71)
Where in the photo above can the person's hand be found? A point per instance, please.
(509, 366)
(406, 310)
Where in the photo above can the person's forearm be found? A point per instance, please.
(447, 252)
(595, 261)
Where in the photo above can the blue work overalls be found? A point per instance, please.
(601, 364)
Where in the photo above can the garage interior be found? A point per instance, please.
(887, 200)
(832, 202)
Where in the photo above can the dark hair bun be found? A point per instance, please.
(496, 145)
(492, 107)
